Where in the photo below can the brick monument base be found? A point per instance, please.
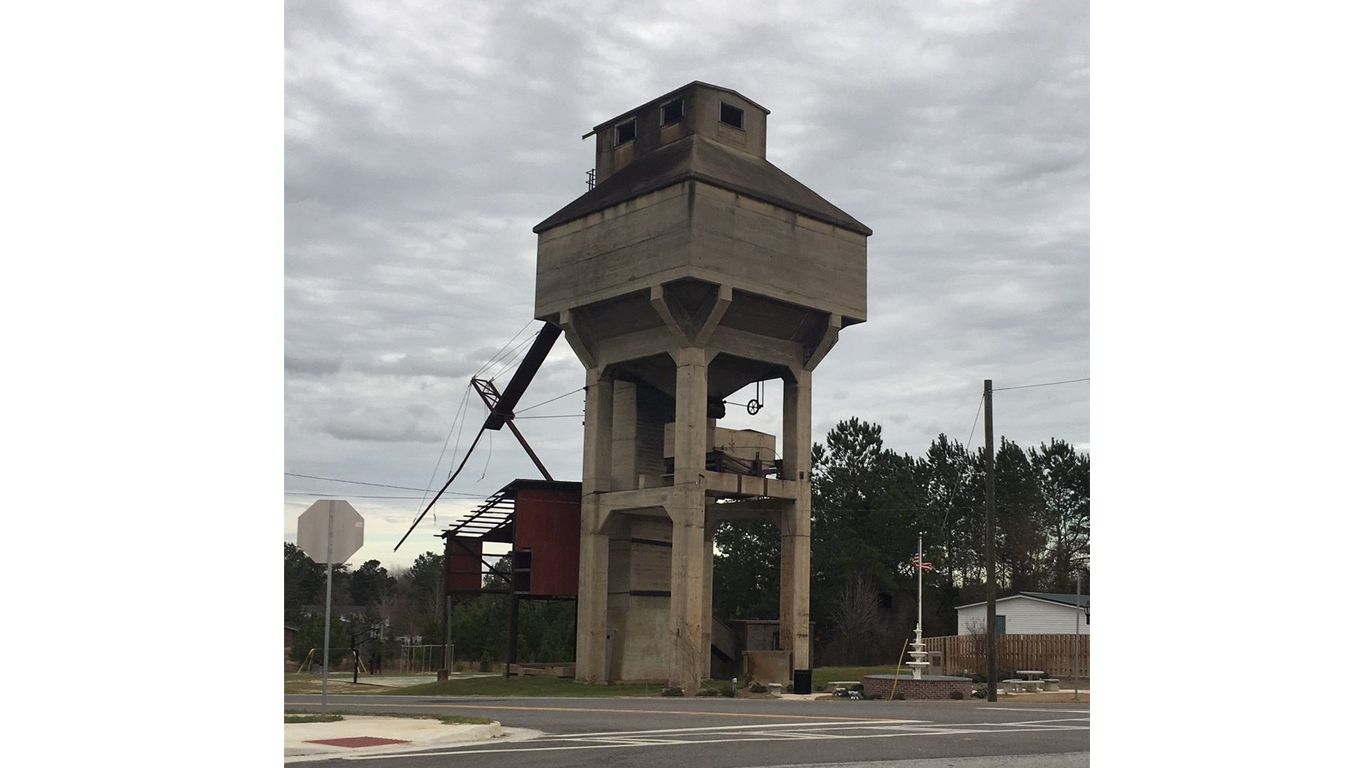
(928, 687)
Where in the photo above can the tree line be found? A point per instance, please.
(868, 504)
(409, 605)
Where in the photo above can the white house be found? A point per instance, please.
(1029, 613)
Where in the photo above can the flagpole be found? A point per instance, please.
(920, 595)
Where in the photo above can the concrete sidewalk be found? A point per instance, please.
(374, 734)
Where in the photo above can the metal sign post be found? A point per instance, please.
(340, 537)
(327, 605)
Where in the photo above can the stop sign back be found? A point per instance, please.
(348, 530)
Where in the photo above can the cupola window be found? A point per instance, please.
(671, 112)
(732, 116)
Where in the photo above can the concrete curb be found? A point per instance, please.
(414, 733)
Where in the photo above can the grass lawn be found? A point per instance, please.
(822, 676)
(545, 686)
(521, 686)
(302, 716)
(311, 718)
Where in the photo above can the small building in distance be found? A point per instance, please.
(1029, 613)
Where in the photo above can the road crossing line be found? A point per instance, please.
(732, 735)
(719, 728)
(703, 713)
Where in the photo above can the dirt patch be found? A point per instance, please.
(335, 685)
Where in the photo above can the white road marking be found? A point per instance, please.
(720, 728)
(1023, 709)
(620, 739)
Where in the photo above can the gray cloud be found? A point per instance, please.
(421, 145)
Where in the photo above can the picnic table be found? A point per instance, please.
(1037, 676)
(1029, 681)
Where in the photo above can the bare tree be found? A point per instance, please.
(855, 620)
(977, 630)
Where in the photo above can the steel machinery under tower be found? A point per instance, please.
(692, 269)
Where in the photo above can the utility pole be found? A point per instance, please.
(446, 661)
(991, 544)
(1076, 645)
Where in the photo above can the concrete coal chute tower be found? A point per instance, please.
(692, 269)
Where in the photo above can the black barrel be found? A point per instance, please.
(801, 681)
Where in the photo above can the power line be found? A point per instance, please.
(551, 400)
(967, 450)
(353, 482)
(505, 346)
(359, 482)
(514, 358)
(354, 496)
(460, 419)
(1048, 384)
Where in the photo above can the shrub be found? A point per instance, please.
(899, 696)
(956, 695)
(757, 687)
(728, 691)
(672, 692)
(485, 662)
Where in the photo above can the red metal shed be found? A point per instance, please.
(540, 518)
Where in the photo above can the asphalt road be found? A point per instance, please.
(736, 733)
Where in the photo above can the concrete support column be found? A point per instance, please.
(708, 551)
(590, 658)
(690, 415)
(597, 433)
(624, 427)
(686, 587)
(794, 607)
(687, 509)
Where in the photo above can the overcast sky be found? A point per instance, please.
(423, 142)
(141, 298)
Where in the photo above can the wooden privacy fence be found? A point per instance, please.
(1050, 653)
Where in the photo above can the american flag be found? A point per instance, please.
(922, 565)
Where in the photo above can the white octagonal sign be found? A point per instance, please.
(348, 530)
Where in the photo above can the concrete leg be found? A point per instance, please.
(687, 587)
(590, 658)
(794, 608)
(708, 545)
(687, 509)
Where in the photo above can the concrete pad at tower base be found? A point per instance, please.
(768, 666)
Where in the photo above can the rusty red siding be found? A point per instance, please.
(464, 567)
(548, 526)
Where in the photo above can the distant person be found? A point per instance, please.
(374, 665)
